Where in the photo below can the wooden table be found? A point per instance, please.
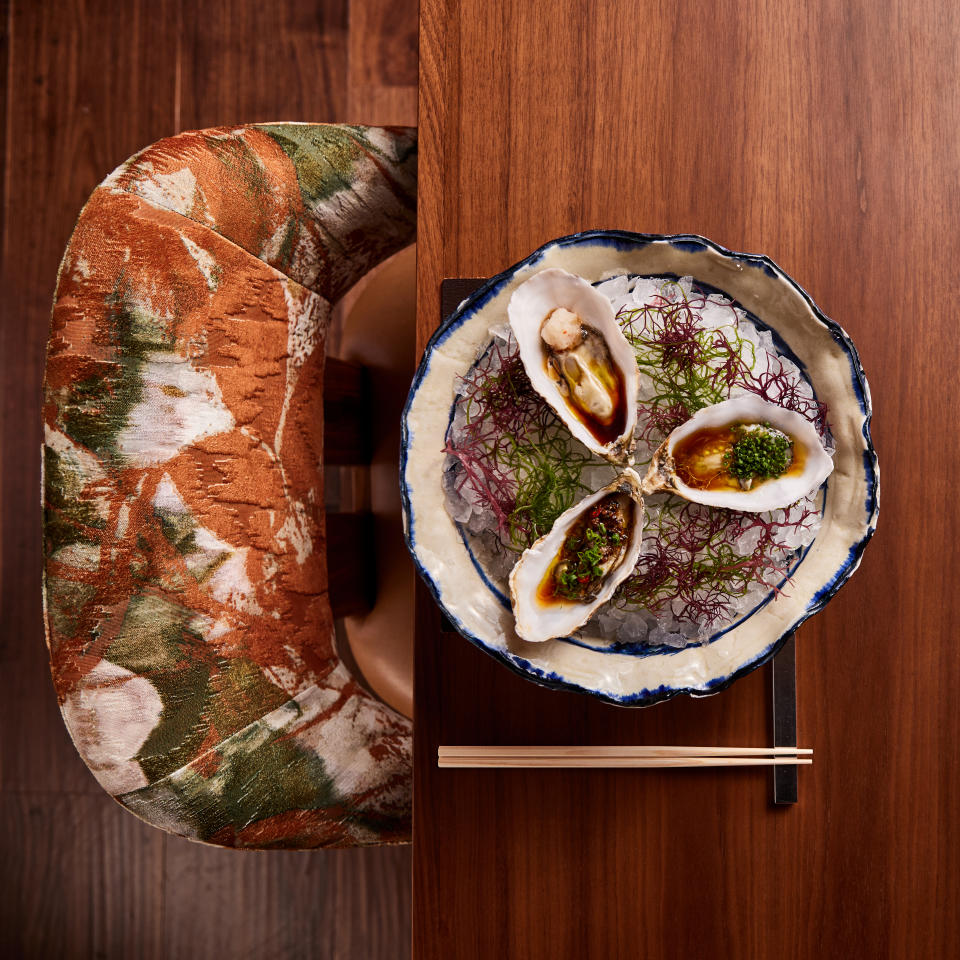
(824, 135)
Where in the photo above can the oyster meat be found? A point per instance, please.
(743, 454)
(578, 360)
(565, 576)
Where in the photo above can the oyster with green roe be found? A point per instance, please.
(742, 454)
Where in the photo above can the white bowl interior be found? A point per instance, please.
(851, 492)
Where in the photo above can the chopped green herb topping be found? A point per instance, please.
(516, 458)
(590, 550)
(759, 453)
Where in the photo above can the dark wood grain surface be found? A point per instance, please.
(87, 83)
(825, 135)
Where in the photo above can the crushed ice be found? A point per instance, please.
(614, 625)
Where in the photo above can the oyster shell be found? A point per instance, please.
(578, 360)
(701, 459)
(560, 581)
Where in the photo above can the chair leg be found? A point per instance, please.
(351, 569)
(347, 437)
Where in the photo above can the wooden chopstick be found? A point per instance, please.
(615, 751)
(620, 756)
(615, 762)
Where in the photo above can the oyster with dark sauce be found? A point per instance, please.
(560, 581)
(578, 360)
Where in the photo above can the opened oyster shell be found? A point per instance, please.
(743, 454)
(578, 360)
(560, 581)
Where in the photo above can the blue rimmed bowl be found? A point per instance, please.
(646, 675)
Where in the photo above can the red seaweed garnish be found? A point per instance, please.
(690, 367)
(514, 452)
(778, 385)
(514, 458)
(691, 569)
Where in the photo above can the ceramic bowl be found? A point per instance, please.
(478, 609)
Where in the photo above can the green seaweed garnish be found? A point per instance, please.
(515, 452)
(690, 367)
(519, 461)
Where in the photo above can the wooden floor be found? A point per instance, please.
(87, 84)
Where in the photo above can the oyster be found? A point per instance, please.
(743, 454)
(559, 582)
(578, 360)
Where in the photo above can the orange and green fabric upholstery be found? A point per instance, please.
(186, 606)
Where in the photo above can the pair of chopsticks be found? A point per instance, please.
(534, 756)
